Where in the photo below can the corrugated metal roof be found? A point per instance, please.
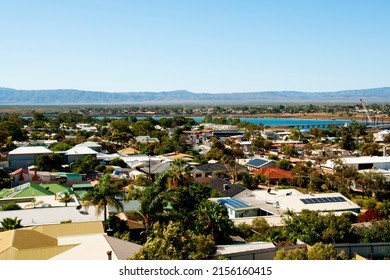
(70, 229)
(70, 175)
(80, 186)
(81, 151)
(29, 239)
(30, 150)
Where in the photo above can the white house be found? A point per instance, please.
(364, 162)
(23, 157)
(78, 152)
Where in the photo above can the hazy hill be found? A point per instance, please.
(9, 96)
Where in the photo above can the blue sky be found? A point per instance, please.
(197, 45)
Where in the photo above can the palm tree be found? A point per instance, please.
(66, 197)
(10, 224)
(103, 194)
(152, 206)
(179, 174)
(212, 218)
(34, 203)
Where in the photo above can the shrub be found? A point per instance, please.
(11, 206)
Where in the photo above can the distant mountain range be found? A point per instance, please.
(9, 96)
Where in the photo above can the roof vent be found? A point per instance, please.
(225, 187)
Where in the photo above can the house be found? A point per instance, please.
(207, 170)
(69, 178)
(152, 170)
(274, 174)
(257, 163)
(363, 162)
(19, 176)
(141, 160)
(380, 136)
(272, 204)
(86, 127)
(248, 251)
(93, 145)
(128, 151)
(238, 208)
(175, 155)
(69, 241)
(146, 139)
(56, 214)
(23, 157)
(269, 135)
(31, 195)
(78, 153)
(81, 189)
(293, 200)
(226, 188)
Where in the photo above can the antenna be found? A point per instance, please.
(366, 111)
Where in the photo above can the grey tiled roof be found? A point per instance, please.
(231, 190)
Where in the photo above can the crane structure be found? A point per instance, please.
(366, 111)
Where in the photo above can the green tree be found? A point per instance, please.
(10, 223)
(249, 180)
(60, 146)
(312, 227)
(120, 126)
(296, 254)
(12, 125)
(49, 162)
(103, 194)
(371, 183)
(5, 180)
(83, 165)
(319, 251)
(66, 198)
(153, 204)
(296, 134)
(384, 209)
(11, 206)
(231, 166)
(343, 177)
(118, 162)
(212, 219)
(284, 164)
(370, 149)
(179, 174)
(174, 242)
(322, 251)
(259, 144)
(289, 150)
(376, 231)
(142, 127)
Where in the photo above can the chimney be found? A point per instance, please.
(225, 187)
(109, 255)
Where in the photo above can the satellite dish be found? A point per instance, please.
(78, 207)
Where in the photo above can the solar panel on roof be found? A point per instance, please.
(323, 200)
(234, 203)
(257, 162)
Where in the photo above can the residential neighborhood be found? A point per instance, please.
(78, 187)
